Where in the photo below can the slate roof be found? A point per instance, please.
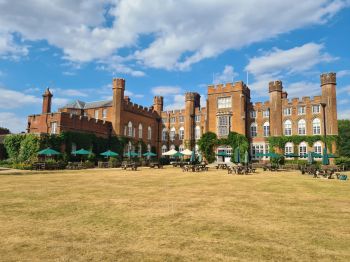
(83, 105)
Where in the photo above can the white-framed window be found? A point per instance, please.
(224, 102)
(181, 148)
(316, 126)
(164, 134)
(53, 127)
(302, 149)
(253, 130)
(172, 134)
(198, 132)
(302, 127)
(149, 133)
(96, 114)
(181, 119)
(266, 129)
(140, 130)
(301, 110)
(253, 114)
(266, 113)
(181, 133)
(104, 113)
(318, 147)
(197, 118)
(289, 148)
(130, 129)
(287, 111)
(316, 109)
(164, 149)
(223, 125)
(288, 128)
(172, 119)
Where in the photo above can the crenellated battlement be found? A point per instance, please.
(328, 78)
(228, 87)
(138, 109)
(275, 86)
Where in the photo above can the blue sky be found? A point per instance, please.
(166, 47)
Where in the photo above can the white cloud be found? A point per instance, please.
(181, 32)
(14, 99)
(294, 60)
(227, 75)
(166, 90)
(15, 123)
(177, 102)
(343, 73)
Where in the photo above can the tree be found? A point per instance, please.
(206, 145)
(344, 138)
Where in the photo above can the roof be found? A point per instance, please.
(83, 105)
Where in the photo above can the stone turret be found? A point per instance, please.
(329, 97)
(276, 94)
(118, 104)
(47, 97)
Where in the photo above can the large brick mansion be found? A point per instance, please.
(228, 108)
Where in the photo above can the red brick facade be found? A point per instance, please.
(228, 108)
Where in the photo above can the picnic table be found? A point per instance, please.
(129, 165)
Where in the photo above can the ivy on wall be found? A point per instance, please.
(281, 141)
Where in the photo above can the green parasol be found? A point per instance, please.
(109, 153)
(48, 152)
(149, 154)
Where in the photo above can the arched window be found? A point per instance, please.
(129, 129)
(181, 133)
(302, 149)
(316, 126)
(181, 148)
(172, 134)
(302, 127)
(198, 132)
(164, 134)
(164, 149)
(253, 130)
(149, 133)
(288, 128)
(318, 147)
(289, 148)
(266, 129)
(140, 130)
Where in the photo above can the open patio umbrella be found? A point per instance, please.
(178, 154)
(81, 152)
(149, 154)
(187, 152)
(109, 153)
(131, 154)
(48, 152)
(170, 152)
(325, 158)
(237, 155)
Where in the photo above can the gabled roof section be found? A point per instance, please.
(83, 105)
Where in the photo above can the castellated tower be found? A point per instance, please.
(329, 97)
(158, 104)
(118, 102)
(47, 97)
(192, 101)
(276, 92)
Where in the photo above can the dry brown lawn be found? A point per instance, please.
(167, 215)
